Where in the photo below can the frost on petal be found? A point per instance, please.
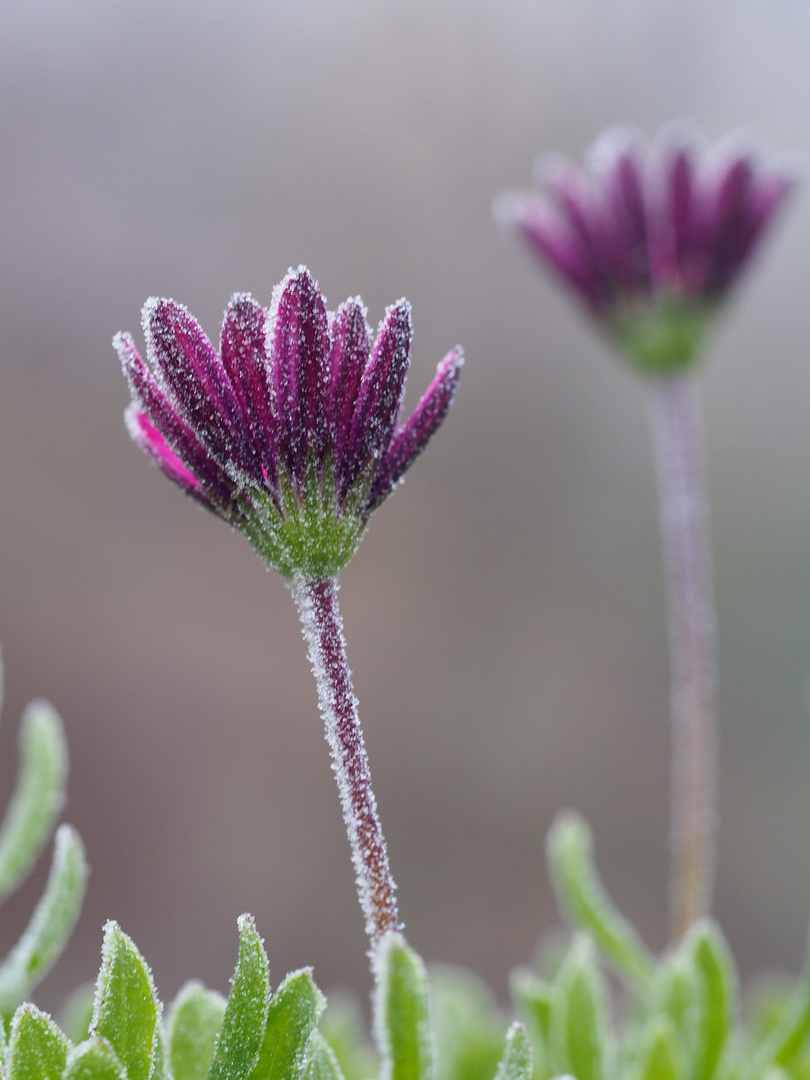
(190, 371)
(348, 359)
(381, 390)
(149, 399)
(299, 337)
(243, 349)
(145, 435)
(412, 438)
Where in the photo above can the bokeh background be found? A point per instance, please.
(505, 612)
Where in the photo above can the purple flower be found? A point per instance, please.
(291, 432)
(650, 237)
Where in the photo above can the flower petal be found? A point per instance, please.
(412, 438)
(299, 336)
(243, 349)
(381, 390)
(349, 358)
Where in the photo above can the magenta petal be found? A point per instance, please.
(299, 358)
(192, 373)
(146, 435)
(349, 358)
(412, 438)
(243, 349)
(381, 390)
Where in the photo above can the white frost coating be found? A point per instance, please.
(323, 631)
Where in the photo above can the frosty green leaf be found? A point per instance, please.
(660, 1058)
(322, 1065)
(39, 795)
(126, 1009)
(579, 1033)
(245, 1019)
(195, 1020)
(37, 1050)
(516, 1063)
(94, 1059)
(716, 985)
(50, 926)
(534, 997)
(294, 1012)
(401, 1012)
(582, 897)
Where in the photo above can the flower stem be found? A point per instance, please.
(323, 631)
(684, 519)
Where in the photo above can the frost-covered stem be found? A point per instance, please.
(684, 518)
(323, 630)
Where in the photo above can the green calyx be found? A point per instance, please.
(313, 535)
(660, 337)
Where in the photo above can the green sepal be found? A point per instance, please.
(195, 1020)
(38, 797)
(401, 1012)
(661, 1057)
(661, 337)
(126, 1010)
(295, 1009)
(716, 997)
(243, 1025)
(579, 1030)
(516, 1063)
(51, 924)
(322, 1064)
(94, 1059)
(38, 1050)
(534, 998)
(583, 900)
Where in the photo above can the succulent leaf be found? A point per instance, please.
(38, 1050)
(292, 1018)
(243, 1025)
(401, 1012)
(195, 1020)
(516, 1063)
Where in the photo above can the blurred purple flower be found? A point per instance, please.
(291, 433)
(650, 237)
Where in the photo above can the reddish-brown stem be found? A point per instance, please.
(323, 630)
(676, 428)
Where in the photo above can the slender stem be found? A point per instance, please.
(684, 519)
(323, 631)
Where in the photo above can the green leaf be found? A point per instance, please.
(195, 1020)
(37, 1049)
(789, 1035)
(322, 1065)
(94, 1059)
(583, 899)
(661, 1057)
(126, 1009)
(76, 1013)
(716, 986)
(468, 1029)
(401, 1012)
(516, 1063)
(51, 924)
(579, 1031)
(245, 1020)
(534, 998)
(39, 795)
(295, 1009)
(343, 1026)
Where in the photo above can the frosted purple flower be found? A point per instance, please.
(650, 237)
(291, 432)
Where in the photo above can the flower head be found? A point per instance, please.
(650, 237)
(291, 432)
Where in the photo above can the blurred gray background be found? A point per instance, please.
(505, 612)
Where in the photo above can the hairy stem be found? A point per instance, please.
(684, 520)
(323, 631)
